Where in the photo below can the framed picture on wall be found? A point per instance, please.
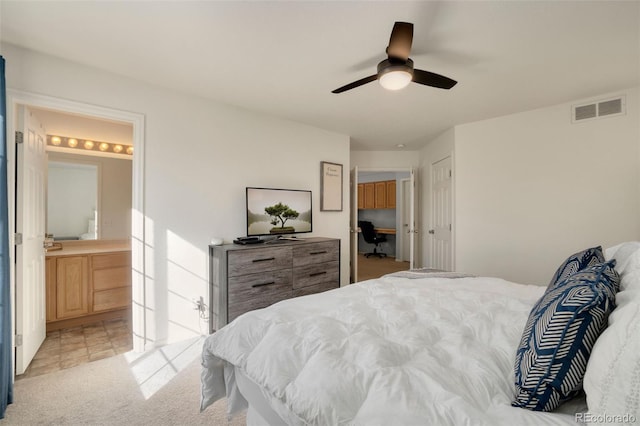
(330, 187)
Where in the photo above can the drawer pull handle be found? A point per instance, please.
(263, 284)
(318, 252)
(317, 273)
(266, 259)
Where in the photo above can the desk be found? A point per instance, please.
(388, 231)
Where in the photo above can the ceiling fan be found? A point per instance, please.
(397, 71)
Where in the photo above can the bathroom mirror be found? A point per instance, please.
(72, 200)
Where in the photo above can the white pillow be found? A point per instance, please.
(612, 379)
(627, 256)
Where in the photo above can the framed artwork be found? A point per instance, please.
(330, 187)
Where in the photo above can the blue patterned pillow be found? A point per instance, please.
(557, 340)
(577, 262)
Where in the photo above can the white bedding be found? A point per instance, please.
(428, 351)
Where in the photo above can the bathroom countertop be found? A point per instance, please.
(70, 248)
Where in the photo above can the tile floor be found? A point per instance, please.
(70, 347)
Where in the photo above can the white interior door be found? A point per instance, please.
(441, 253)
(30, 224)
(353, 243)
(412, 219)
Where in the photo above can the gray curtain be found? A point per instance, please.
(6, 365)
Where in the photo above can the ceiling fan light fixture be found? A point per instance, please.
(395, 80)
(394, 74)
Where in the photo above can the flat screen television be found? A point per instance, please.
(278, 212)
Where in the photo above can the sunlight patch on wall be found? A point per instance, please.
(184, 254)
(138, 279)
(186, 288)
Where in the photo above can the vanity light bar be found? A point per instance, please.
(89, 145)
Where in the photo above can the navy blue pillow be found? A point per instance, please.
(577, 262)
(560, 332)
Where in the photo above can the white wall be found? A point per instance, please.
(199, 157)
(384, 160)
(532, 188)
(115, 198)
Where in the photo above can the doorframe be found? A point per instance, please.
(417, 243)
(403, 200)
(353, 225)
(137, 121)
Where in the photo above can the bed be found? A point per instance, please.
(421, 348)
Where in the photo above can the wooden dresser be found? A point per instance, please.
(247, 277)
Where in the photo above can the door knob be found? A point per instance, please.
(432, 231)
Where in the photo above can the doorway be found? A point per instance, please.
(16, 99)
(88, 198)
(392, 219)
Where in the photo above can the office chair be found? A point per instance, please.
(370, 236)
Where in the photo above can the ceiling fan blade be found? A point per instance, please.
(432, 79)
(356, 84)
(400, 41)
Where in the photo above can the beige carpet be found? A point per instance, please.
(156, 388)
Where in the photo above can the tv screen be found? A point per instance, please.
(272, 211)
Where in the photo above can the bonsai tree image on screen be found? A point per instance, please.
(280, 213)
(277, 212)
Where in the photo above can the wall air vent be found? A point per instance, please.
(614, 106)
(598, 109)
(585, 112)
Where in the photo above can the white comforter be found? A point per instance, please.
(392, 351)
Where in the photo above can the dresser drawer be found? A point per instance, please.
(317, 288)
(257, 291)
(320, 252)
(243, 262)
(309, 275)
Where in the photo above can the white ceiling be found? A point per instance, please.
(284, 57)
